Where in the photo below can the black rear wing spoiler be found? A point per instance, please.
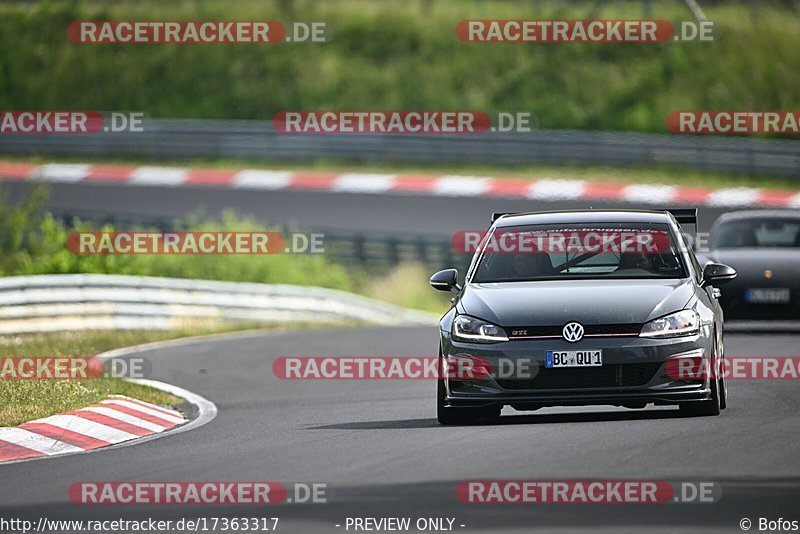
(496, 215)
(684, 215)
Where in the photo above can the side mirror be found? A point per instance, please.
(445, 280)
(717, 273)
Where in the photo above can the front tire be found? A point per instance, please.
(723, 385)
(704, 408)
(461, 416)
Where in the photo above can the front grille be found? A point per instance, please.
(624, 329)
(607, 376)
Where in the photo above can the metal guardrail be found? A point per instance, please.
(177, 139)
(49, 303)
(376, 252)
(380, 252)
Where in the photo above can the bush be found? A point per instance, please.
(34, 242)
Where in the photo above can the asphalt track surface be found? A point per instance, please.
(345, 212)
(378, 447)
(376, 444)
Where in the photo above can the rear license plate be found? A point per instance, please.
(768, 295)
(573, 358)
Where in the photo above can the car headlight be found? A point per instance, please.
(682, 323)
(466, 328)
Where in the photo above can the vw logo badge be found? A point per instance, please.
(573, 332)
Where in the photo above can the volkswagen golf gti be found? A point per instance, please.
(573, 308)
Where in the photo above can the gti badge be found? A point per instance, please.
(573, 332)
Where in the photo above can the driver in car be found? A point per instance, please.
(533, 265)
(636, 260)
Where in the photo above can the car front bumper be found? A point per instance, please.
(633, 373)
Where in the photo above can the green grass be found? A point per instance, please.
(403, 54)
(407, 285)
(26, 400)
(90, 343)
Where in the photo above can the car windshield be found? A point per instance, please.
(757, 233)
(579, 251)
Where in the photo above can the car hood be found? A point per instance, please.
(555, 303)
(750, 264)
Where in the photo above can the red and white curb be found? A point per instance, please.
(115, 420)
(126, 425)
(370, 183)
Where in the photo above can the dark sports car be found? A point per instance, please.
(581, 308)
(764, 248)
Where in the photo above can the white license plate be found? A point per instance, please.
(573, 358)
(768, 295)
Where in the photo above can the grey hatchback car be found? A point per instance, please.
(589, 307)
